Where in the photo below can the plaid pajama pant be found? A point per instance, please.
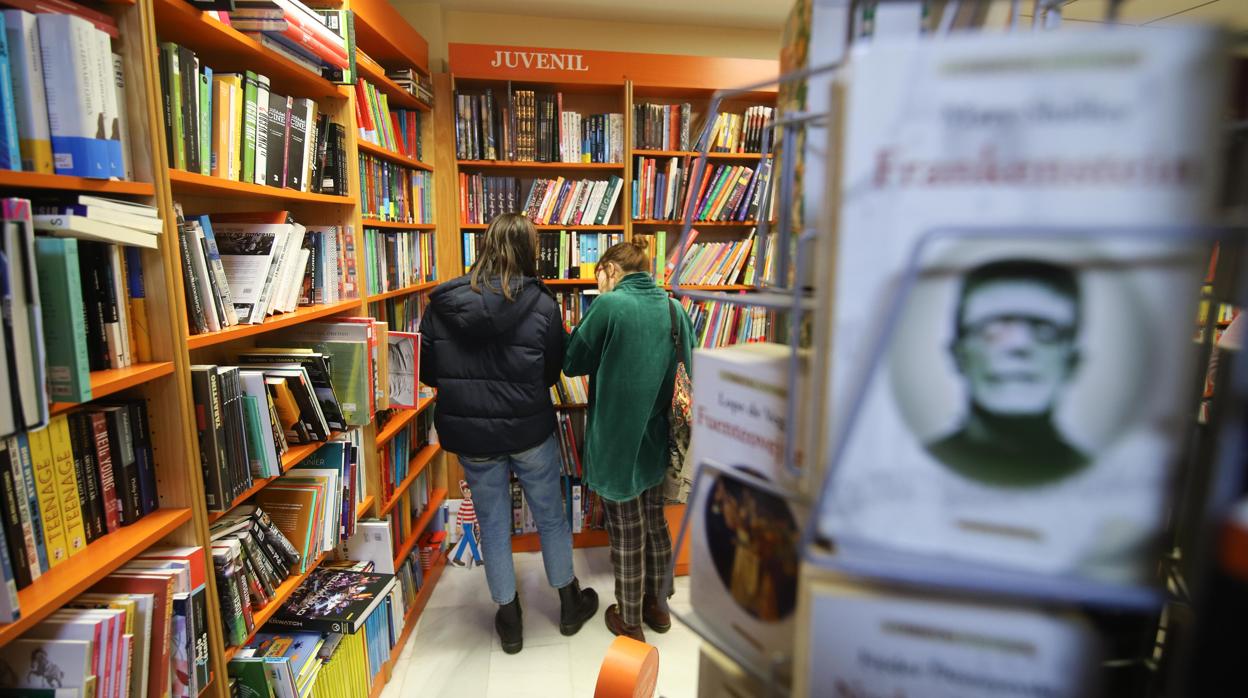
(641, 549)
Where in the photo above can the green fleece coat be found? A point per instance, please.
(624, 344)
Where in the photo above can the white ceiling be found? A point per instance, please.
(748, 14)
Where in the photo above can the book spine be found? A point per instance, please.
(208, 421)
(140, 430)
(12, 523)
(67, 485)
(136, 287)
(83, 449)
(97, 433)
(296, 149)
(262, 130)
(188, 85)
(34, 141)
(64, 326)
(43, 468)
(10, 149)
(276, 127)
(74, 105)
(125, 467)
(29, 529)
(194, 303)
(22, 444)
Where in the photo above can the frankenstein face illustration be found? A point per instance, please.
(1015, 346)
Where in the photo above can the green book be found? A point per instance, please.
(257, 452)
(251, 677)
(250, 86)
(64, 324)
(720, 180)
(205, 121)
(660, 255)
(346, 344)
(169, 53)
(563, 252)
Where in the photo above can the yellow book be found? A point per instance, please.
(67, 484)
(49, 503)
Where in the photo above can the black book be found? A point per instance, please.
(232, 616)
(318, 369)
(125, 470)
(210, 427)
(190, 106)
(321, 150)
(271, 535)
(93, 303)
(340, 159)
(334, 601)
(12, 518)
(190, 280)
(82, 445)
(296, 145)
(278, 117)
(255, 562)
(235, 430)
(166, 69)
(144, 457)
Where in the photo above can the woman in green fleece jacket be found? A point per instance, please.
(624, 343)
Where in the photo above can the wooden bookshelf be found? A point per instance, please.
(543, 166)
(431, 577)
(415, 467)
(694, 154)
(283, 592)
(98, 560)
(364, 507)
(10, 179)
(382, 33)
(274, 322)
(532, 542)
(397, 225)
(552, 226)
(398, 421)
(418, 527)
(406, 290)
(205, 185)
(698, 224)
(390, 155)
(114, 380)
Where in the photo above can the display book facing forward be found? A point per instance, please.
(239, 268)
(987, 452)
(86, 474)
(524, 125)
(62, 93)
(670, 189)
(235, 127)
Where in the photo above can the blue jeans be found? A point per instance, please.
(538, 470)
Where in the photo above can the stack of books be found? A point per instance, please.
(482, 197)
(240, 268)
(142, 630)
(574, 304)
(572, 255)
(398, 259)
(718, 324)
(742, 133)
(416, 83)
(251, 557)
(306, 36)
(232, 125)
(62, 93)
(398, 130)
(392, 192)
(723, 193)
(561, 201)
(85, 475)
(395, 456)
(663, 126)
(528, 126)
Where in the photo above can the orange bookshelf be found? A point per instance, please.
(382, 33)
(364, 507)
(699, 224)
(526, 165)
(10, 179)
(387, 154)
(415, 467)
(228, 49)
(397, 225)
(396, 96)
(114, 380)
(400, 419)
(98, 560)
(694, 154)
(551, 226)
(409, 622)
(435, 502)
(414, 288)
(205, 185)
(304, 314)
(531, 542)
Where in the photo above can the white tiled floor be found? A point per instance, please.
(455, 652)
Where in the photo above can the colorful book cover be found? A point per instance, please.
(65, 334)
(334, 601)
(41, 457)
(26, 68)
(67, 484)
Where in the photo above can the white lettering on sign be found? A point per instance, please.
(574, 62)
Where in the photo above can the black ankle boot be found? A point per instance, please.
(576, 605)
(508, 624)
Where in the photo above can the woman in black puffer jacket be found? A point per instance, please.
(492, 344)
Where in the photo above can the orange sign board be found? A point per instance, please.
(534, 64)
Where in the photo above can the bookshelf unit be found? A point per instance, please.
(164, 383)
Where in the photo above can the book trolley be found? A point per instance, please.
(1128, 613)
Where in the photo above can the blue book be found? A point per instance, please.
(10, 152)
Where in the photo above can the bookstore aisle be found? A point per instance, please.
(455, 652)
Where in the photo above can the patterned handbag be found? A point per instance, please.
(677, 482)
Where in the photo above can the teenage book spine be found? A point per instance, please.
(55, 542)
(67, 485)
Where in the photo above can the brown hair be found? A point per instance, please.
(508, 250)
(630, 256)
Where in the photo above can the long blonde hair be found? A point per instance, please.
(508, 250)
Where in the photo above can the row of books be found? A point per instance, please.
(412, 505)
(570, 390)
(392, 192)
(562, 201)
(582, 506)
(398, 130)
(718, 263)
(723, 193)
(239, 268)
(529, 126)
(62, 92)
(84, 475)
(416, 83)
(140, 631)
(718, 324)
(742, 133)
(395, 456)
(315, 38)
(572, 255)
(663, 127)
(232, 125)
(483, 197)
(401, 314)
(574, 304)
(398, 259)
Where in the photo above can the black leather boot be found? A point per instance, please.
(508, 624)
(576, 605)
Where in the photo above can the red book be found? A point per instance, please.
(191, 553)
(104, 461)
(161, 589)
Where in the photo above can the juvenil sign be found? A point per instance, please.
(537, 64)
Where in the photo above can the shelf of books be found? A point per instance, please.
(21, 179)
(409, 622)
(418, 528)
(415, 467)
